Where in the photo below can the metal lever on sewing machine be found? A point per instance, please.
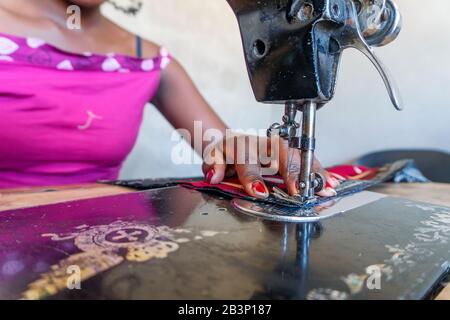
(373, 23)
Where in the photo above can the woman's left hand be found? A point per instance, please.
(228, 160)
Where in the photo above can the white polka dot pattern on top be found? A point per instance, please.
(165, 62)
(65, 65)
(7, 46)
(32, 50)
(111, 65)
(165, 58)
(6, 58)
(35, 42)
(148, 65)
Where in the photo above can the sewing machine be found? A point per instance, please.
(293, 49)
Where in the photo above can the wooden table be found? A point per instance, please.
(434, 193)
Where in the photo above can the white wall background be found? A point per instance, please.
(204, 36)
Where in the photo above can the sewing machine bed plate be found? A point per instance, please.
(175, 243)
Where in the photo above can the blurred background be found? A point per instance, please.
(204, 37)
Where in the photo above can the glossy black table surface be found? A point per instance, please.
(175, 243)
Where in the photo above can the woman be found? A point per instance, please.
(70, 109)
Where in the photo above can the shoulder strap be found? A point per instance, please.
(139, 47)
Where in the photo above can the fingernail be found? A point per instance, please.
(210, 175)
(331, 192)
(335, 181)
(297, 190)
(259, 189)
(331, 183)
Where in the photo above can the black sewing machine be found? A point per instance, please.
(293, 49)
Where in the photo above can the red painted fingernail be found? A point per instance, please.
(210, 175)
(332, 183)
(259, 188)
(331, 191)
(336, 181)
(297, 189)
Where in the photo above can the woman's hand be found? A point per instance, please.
(181, 103)
(228, 159)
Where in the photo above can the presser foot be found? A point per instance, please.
(306, 212)
(318, 184)
(322, 211)
(297, 199)
(279, 213)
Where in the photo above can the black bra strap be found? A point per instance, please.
(139, 47)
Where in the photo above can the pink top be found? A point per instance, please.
(69, 118)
